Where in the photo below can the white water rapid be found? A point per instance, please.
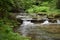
(58, 21)
(46, 22)
(26, 27)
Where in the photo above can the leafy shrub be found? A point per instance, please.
(6, 32)
(45, 4)
(37, 9)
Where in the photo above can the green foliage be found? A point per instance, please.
(6, 23)
(26, 4)
(58, 4)
(37, 9)
(4, 5)
(45, 4)
(6, 31)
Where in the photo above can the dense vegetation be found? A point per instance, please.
(29, 6)
(7, 23)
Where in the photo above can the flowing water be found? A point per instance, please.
(45, 22)
(30, 29)
(58, 21)
(25, 27)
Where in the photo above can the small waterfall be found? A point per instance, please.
(46, 22)
(58, 21)
(26, 27)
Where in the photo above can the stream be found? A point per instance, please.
(29, 29)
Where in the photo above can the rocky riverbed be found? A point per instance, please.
(40, 32)
(47, 29)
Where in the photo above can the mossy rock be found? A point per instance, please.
(57, 16)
